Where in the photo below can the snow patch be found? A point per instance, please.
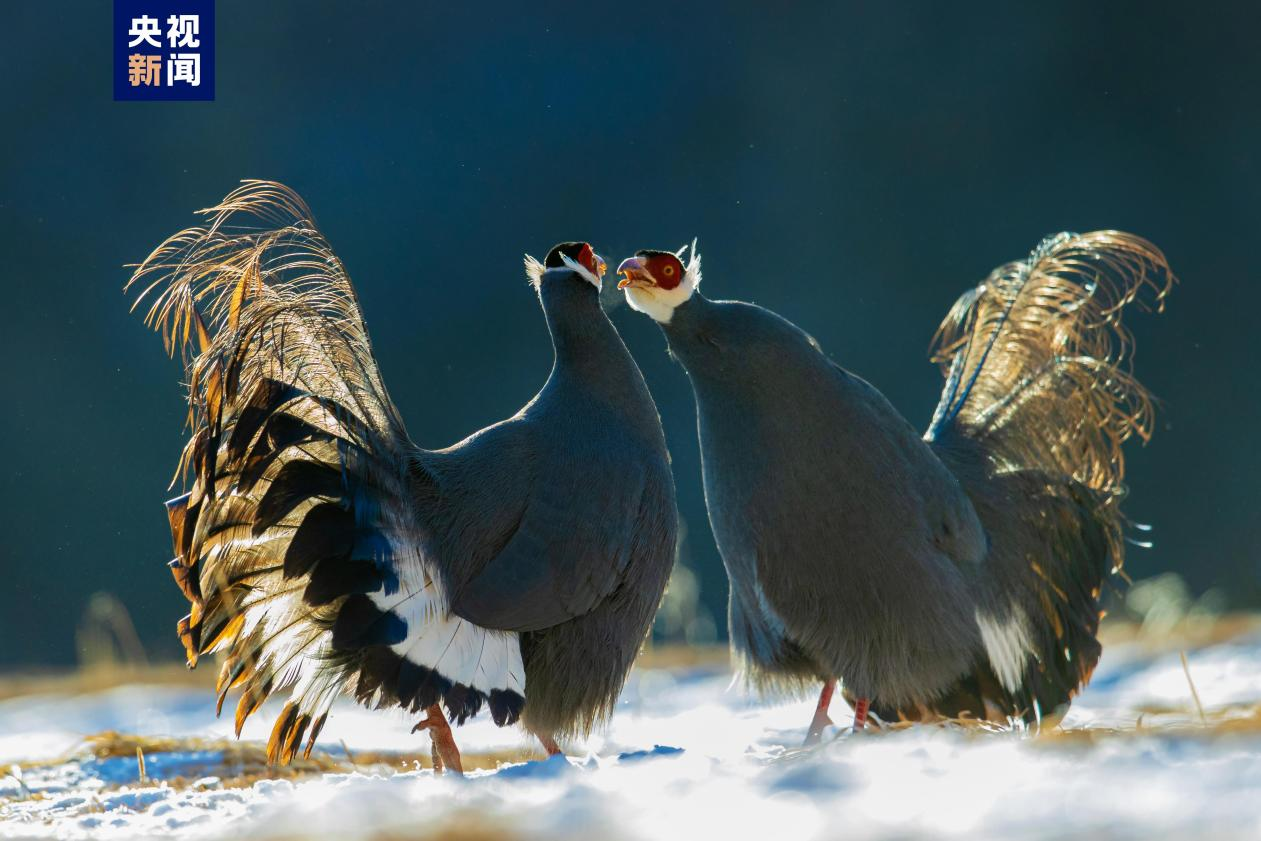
(683, 757)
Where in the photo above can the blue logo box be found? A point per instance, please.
(164, 50)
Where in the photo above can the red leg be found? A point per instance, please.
(549, 745)
(821, 720)
(444, 751)
(860, 713)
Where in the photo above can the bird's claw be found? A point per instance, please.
(446, 756)
(815, 734)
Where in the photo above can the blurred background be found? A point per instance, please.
(852, 166)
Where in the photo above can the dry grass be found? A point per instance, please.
(101, 678)
(241, 764)
(109, 676)
(1225, 722)
(1186, 634)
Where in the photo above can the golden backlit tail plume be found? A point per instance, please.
(1039, 398)
(259, 290)
(295, 450)
(1038, 363)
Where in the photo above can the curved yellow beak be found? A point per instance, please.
(633, 274)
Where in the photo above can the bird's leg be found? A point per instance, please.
(436, 756)
(821, 720)
(860, 713)
(445, 753)
(549, 745)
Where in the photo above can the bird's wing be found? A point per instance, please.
(568, 553)
(1037, 606)
(297, 543)
(1038, 609)
(947, 515)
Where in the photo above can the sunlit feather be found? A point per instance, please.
(1038, 362)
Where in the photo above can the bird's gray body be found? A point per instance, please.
(949, 575)
(836, 521)
(560, 522)
(323, 552)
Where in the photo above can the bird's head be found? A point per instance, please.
(578, 258)
(656, 282)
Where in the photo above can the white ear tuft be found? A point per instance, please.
(583, 271)
(692, 275)
(533, 271)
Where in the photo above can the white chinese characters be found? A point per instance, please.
(184, 67)
(183, 33)
(144, 29)
(182, 30)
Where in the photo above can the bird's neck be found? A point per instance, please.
(726, 346)
(691, 328)
(692, 312)
(583, 338)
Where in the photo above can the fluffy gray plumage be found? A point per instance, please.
(956, 573)
(835, 521)
(560, 522)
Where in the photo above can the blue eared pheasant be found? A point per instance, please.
(323, 552)
(951, 574)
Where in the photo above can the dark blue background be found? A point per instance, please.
(853, 166)
(125, 11)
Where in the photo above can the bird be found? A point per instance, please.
(324, 553)
(952, 574)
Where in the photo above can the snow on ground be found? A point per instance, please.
(684, 757)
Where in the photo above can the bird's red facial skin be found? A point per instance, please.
(666, 270)
(592, 262)
(586, 258)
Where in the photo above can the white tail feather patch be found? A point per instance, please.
(1007, 645)
(459, 650)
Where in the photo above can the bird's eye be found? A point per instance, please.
(668, 271)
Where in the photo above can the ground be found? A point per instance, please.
(686, 755)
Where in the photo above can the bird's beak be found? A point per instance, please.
(600, 267)
(633, 274)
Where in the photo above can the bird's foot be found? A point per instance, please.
(821, 720)
(815, 734)
(444, 751)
